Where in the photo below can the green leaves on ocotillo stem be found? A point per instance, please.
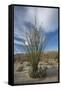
(36, 43)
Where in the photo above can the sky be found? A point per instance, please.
(46, 17)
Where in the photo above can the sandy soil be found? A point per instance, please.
(23, 76)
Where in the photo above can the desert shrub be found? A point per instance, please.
(34, 60)
(42, 71)
(35, 43)
(34, 50)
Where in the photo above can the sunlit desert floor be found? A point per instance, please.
(23, 76)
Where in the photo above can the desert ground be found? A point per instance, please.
(21, 72)
(23, 77)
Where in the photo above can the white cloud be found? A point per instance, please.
(47, 17)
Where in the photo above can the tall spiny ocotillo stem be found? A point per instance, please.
(35, 17)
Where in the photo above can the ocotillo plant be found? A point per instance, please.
(36, 43)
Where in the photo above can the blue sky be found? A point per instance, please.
(46, 17)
